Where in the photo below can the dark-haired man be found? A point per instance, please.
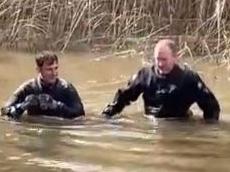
(45, 95)
(168, 90)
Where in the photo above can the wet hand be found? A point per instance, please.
(5, 111)
(11, 112)
(108, 112)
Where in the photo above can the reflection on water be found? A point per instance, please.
(127, 143)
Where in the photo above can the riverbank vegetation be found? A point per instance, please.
(201, 27)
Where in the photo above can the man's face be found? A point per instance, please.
(164, 59)
(49, 72)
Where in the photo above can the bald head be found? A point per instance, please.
(167, 43)
(165, 55)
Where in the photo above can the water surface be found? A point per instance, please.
(130, 142)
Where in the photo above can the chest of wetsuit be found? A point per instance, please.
(169, 95)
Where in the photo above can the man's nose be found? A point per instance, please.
(160, 64)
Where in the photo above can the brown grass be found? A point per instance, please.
(200, 26)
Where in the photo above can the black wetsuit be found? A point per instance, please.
(61, 91)
(170, 95)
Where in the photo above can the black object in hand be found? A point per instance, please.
(30, 100)
(47, 102)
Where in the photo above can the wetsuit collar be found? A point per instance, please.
(42, 83)
(170, 74)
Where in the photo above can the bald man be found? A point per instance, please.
(168, 90)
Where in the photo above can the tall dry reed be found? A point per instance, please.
(200, 26)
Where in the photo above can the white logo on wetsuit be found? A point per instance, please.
(169, 90)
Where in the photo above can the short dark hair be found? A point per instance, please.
(48, 57)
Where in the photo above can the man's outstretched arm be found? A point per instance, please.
(126, 95)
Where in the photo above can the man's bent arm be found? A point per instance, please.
(206, 100)
(74, 107)
(15, 106)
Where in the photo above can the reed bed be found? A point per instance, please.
(201, 27)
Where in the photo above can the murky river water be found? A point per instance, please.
(128, 143)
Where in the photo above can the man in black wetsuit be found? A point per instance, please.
(45, 95)
(168, 90)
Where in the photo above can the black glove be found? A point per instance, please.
(47, 102)
(30, 101)
(12, 111)
(15, 111)
(109, 111)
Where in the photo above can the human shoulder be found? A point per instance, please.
(145, 71)
(25, 85)
(29, 82)
(188, 70)
(67, 88)
(191, 75)
(143, 76)
(64, 84)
